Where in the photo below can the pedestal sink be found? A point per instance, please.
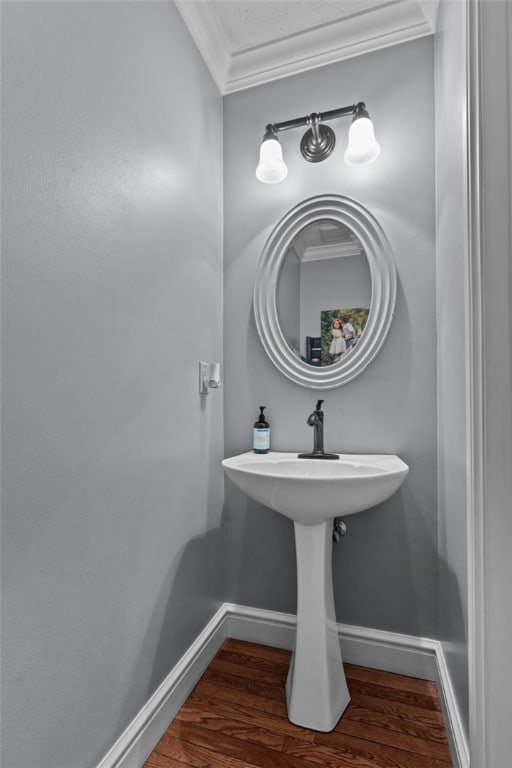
(311, 492)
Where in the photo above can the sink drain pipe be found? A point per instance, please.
(339, 529)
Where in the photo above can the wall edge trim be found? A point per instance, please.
(459, 746)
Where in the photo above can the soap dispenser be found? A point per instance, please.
(261, 433)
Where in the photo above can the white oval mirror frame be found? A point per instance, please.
(383, 290)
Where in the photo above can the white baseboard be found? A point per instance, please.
(387, 651)
(148, 726)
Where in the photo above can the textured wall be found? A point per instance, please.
(451, 250)
(385, 571)
(112, 293)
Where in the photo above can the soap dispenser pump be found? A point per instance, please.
(261, 433)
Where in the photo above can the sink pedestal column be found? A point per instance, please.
(316, 688)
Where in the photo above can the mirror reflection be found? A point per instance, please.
(324, 293)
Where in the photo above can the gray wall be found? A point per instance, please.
(452, 226)
(112, 293)
(385, 570)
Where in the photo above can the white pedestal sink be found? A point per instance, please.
(311, 492)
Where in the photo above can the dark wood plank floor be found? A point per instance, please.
(236, 718)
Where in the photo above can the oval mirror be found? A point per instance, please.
(325, 292)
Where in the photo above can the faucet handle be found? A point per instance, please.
(319, 405)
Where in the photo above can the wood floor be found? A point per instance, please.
(236, 718)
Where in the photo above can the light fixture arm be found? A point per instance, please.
(319, 117)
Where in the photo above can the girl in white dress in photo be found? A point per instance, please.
(338, 345)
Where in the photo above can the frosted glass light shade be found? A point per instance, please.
(271, 168)
(362, 147)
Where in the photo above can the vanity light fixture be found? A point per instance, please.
(318, 141)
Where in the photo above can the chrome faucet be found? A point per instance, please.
(316, 420)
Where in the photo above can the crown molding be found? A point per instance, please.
(430, 9)
(330, 251)
(391, 23)
(202, 24)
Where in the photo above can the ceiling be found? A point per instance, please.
(249, 42)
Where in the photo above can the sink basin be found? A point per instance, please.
(311, 491)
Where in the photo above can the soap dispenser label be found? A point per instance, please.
(261, 439)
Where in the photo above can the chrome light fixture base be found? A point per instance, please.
(317, 143)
